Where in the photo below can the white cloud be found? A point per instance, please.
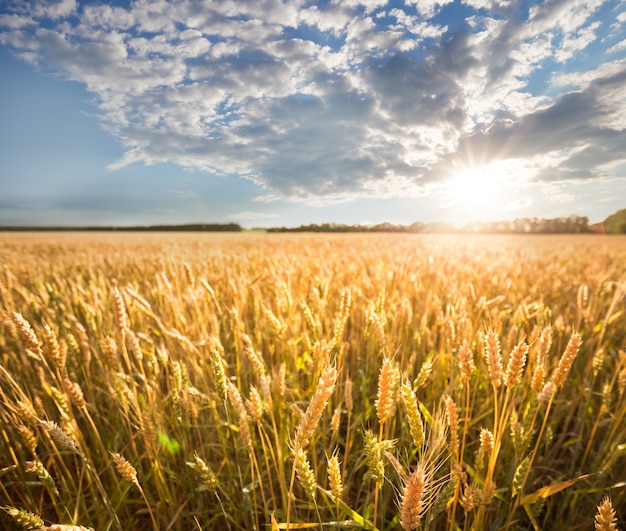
(567, 15)
(428, 8)
(55, 10)
(267, 198)
(556, 194)
(576, 41)
(618, 47)
(583, 79)
(332, 20)
(350, 99)
(107, 17)
(15, 22)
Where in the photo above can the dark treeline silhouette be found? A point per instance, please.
(615, 223)
(571, 224)
(195, 227)
(339, 227)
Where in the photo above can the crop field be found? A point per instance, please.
(274, 381)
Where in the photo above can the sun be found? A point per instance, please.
(475, 187)
(477, 193)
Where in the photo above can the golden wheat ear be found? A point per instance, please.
(388, 382)
(605, 517)
(313, 413)
(567, 360)
(305, 474)
(26, 332)
(125, 469)
(411, 504)
(494, 358)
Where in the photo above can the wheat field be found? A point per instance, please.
(257, 381)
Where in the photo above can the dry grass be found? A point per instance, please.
(376, 381)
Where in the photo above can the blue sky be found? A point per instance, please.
(270, 112)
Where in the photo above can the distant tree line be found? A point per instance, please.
(340, 227)
(194, 227)
(571, 224)
(615, 223)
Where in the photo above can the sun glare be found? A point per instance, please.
(476, 194)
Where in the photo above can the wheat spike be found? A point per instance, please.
(466, 499)
(313, 413)
(494, 358)
(279, 380)
(485, 448)
(388, 381)
(466, 362)
(119, 309)
(28, 437)
(517, 361)
(125, 469)
(520, 474)
(244, 420)
(255, 404)
(334, 478)
(74, 392)
(546, 391)
(374, 456)
(217, 366)
(36, 467)
(453, 422)
(110, 351)
(605, 517)
(27, 413)
(24, 518)
(60, 438)
(567, 360)
(53, 349)
(486, 440)
(304, 473)
(411, 505)
(425, 371)
(416, 427)
(208, 477)
(25, 331)
(539, 376)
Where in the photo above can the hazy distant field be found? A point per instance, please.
(216, 381)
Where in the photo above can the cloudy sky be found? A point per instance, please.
(285, 112)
